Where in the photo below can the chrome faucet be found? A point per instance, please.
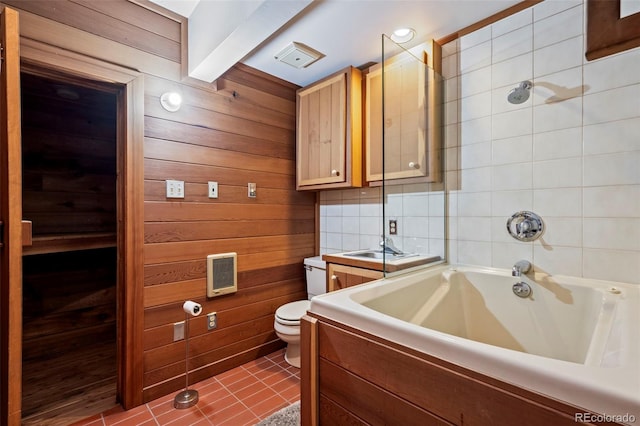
(520, 267)
(388, 247)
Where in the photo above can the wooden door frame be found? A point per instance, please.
(11, 215)
(130, 203)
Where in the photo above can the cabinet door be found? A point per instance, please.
(329, 132)
(409, 110)
(342, 276)
(321, 136)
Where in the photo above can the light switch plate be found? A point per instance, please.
(252, 190)
(213, 189)
(178, 331)
(175, 188)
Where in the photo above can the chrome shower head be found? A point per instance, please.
(521, 93)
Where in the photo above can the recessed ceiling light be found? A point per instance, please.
(403, 35)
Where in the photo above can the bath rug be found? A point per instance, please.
(288, 416)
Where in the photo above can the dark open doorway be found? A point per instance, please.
(70, 273)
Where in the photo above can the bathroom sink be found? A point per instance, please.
(372, 254)
(377, 254)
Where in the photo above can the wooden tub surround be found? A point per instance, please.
(352, 377)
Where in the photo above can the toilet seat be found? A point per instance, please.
(287, 331)
(290, 313)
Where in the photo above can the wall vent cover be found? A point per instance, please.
(298, 55)
(222, 274)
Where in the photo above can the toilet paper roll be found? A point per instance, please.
(192, 308)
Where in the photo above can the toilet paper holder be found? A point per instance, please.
(188, 397)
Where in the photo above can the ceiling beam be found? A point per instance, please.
(232, 30)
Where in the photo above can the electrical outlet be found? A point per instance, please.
(178, 331)
(212, 321)
(213, 189)
(393, 227)
(175, 188)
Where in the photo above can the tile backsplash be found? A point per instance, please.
(353, 219)
(570, 153)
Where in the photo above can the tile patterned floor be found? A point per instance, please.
(242, 396)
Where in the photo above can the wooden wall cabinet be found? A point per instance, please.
(342, 276)
(412, 120)
(329, 132)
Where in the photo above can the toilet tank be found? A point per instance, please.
(316, 276)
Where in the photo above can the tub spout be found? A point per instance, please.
(521, 267)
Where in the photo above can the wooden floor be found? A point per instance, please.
(63, 389)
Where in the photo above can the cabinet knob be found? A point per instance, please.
(414, 165)
(334, 278)
(334, 172)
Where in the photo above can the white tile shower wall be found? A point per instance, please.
(571, 153)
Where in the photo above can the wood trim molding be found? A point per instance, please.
(131, 246)
(309, 389)
(607, 33)
(11, 216)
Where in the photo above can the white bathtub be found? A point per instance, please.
(573, 339)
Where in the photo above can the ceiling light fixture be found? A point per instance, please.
(403, 35)
(171, 101)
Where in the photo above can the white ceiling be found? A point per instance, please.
(347, 32)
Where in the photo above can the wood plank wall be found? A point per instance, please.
(243, 133)
(121, 21)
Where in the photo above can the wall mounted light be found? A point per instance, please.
(403, 35)
(171, 101)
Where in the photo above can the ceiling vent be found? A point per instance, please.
(298, 55)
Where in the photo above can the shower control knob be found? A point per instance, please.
(525, 226)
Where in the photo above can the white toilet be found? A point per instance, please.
(287, 318)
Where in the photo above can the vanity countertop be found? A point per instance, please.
(377, 264)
